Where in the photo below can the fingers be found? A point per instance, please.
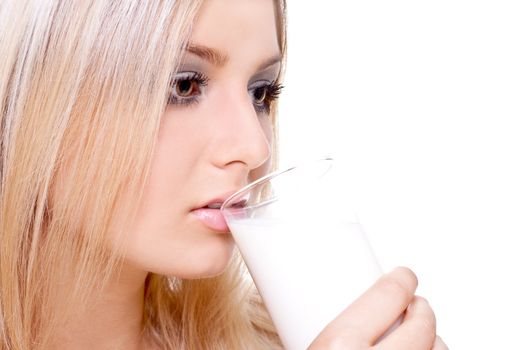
(384, 302)
(417, 332)
(366, 319)
(439, 344)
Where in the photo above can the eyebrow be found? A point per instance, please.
(219, 58)
(213, 56)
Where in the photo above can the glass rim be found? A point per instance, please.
(328, 160)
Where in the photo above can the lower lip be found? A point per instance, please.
(212, 218)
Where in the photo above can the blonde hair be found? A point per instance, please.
(83, 86)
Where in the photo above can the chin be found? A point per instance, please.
(210, 266)
(208, 261)
(212, 272)
(198, 271)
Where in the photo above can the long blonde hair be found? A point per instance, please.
(83, 86)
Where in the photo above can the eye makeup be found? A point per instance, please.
(187, 88)
(263, 94)
(190, 83)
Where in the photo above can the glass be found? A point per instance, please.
(307, 254)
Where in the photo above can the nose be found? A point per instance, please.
(244, 138)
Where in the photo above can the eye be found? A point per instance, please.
(259, 95)
(186, 88)
(263, 94)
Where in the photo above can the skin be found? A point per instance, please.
(208, 148)
(205, 150)
(366, 319)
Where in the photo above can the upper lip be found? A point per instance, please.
(217, 200)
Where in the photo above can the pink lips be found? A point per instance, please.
(211, 215)
(212, 218)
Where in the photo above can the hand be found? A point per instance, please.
(364, 321)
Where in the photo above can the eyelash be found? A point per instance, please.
(273, 90)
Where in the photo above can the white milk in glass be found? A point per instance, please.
(307, 270)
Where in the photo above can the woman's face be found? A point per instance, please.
(214, 138)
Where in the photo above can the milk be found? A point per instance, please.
(306, 270)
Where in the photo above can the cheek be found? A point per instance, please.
(164, 202)
(266, 167)
(164, 237)
(268, 129)
(174, 161)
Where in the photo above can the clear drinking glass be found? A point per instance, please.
(307, 254)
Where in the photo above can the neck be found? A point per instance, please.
(112, 319)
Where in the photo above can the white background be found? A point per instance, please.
(422, 103)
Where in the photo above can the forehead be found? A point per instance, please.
(237, 27)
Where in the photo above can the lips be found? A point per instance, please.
(210, 215)
(212, 218)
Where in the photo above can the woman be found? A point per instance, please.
(124, 124)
